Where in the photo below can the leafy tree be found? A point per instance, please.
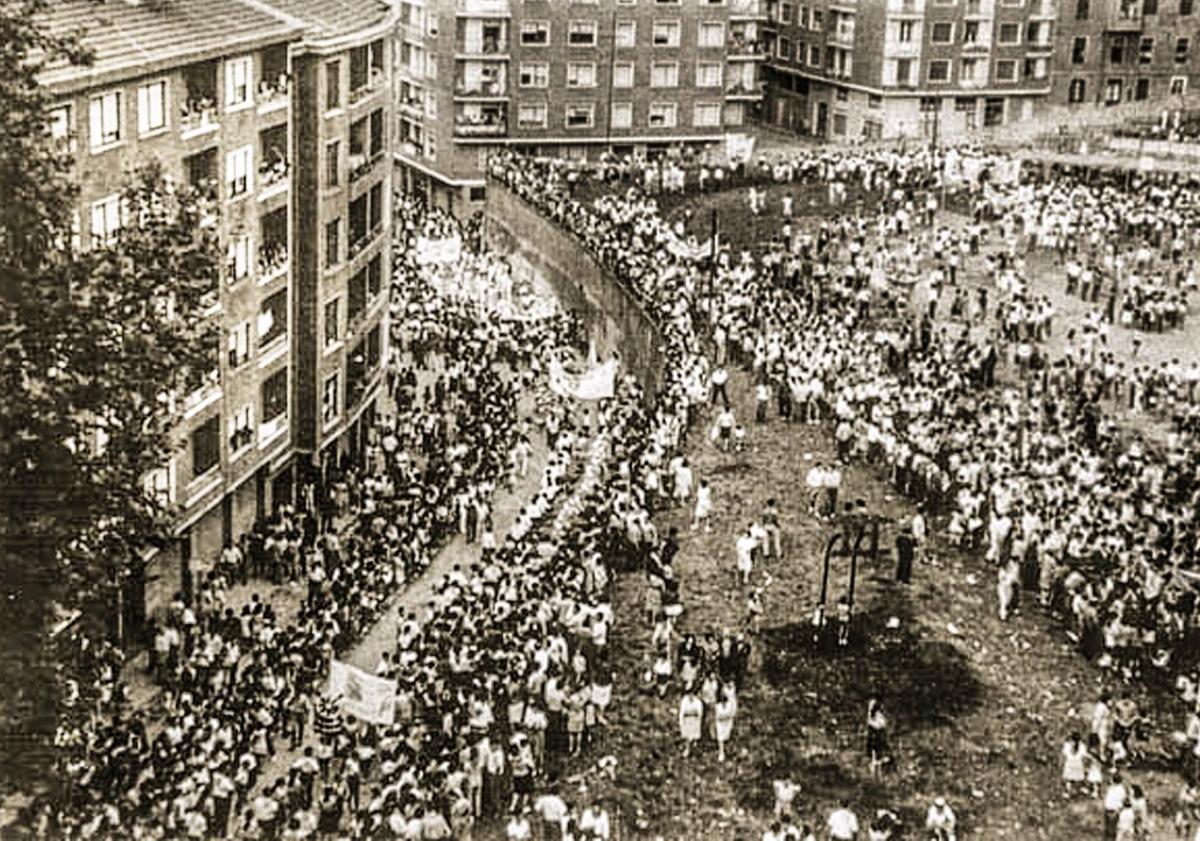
(98, 348)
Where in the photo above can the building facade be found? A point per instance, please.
(885, 69)
(1114, 51)
(229, 97)
(567, 77)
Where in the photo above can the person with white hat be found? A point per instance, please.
(940, 820)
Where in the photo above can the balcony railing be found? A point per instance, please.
(484, 90)
(483, 8)
(740, 89)
(842, 37)
(272, 260)
(241, 439)
(375, 79)
(360, 244)
(198, 117)
(748, 8)
(273, 94)
(271, 174)
(492, 47)
(739, 46)
(479, 128)
(361, 164)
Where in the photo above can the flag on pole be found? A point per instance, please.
(362, 695)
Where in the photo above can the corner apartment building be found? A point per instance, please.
(1114, 51)
(886, 69)
(567, 77)
(232, 97)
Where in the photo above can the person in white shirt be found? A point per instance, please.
(744, 548)
(815, 480)
(941, 821)
(843, 824)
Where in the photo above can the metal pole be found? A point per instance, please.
(829, 548)
(712, 269)
(854, 567)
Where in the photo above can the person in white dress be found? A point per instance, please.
(726, 713)
(704, 506)
(691, 714)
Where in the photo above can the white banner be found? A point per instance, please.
(596, 383)
(739, 147)
(362, 695)
(439, 251)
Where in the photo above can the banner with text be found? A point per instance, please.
(362, 695)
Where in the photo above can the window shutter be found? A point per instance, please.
(98, 221)
(143, 108)
(230, 84)
(112, 116)
(96, 123)
(248, 163)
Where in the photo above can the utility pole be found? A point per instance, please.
(712, 270)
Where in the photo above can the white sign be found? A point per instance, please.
(362, 695)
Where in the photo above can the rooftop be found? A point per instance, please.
(324, 19)
(130, 39)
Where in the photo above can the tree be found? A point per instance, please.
(98, 348)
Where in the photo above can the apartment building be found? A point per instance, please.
(233, 97)
(1114, 51)
(567, 77)
(884, 69)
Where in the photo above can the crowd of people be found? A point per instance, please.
(504, 677)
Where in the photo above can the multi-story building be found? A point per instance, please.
(567, 77)
(850, 69)
(1114, 51)
(245, 100)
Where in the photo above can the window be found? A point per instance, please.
(357, 300)
(785, 12)
(966, 70)
(159, 484)
(580, 116)
(839, 125)
(152, 107)
(272, 318)
(333, 246)
(104, 119)
(623, 74)
(905, 32)
(622, 115)
(814, 55)
(333, 85)
(241, 435)
(332, 328)
(206, 446)
(1141, 89)
(1036, 68)
(662, 115)
(711, 35)
(1010, 33)
(841, 95)
(1006, 70)
(664, 74)
(626, 35)
(581, 74)
(239, 171)
(534, 74)
(1178, 85)
(943, 32)
(237, 82)
(817, 22)
(331, 400)
(709, 74)
(1149, 7)
(785, 49)
(874, 100)
(903, 71)
(1079, 50)
(1116, 52)
(665, 33)
(1145, 51)
(1182, 45)
(939, 70)
(971, 32)
(531, 115)
(430, 145)
(581, 33)
(707, 115)
(374, 275)
(535, 33)
(239, 257)
(1082, 9)
(274, 395)
(1185, 8)
(332, 163)
(58, 123)
(1112, 92)
(964, 104)
(1077, 91)
(106, 220)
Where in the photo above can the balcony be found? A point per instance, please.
(360, 245)
(478, 127)
(273, 94)
(273, 171)
(240, 440)
(483, 90)
(739, 47)
(413, 107)
(271, 430)
(740, 9)
(740, 90)
(272, 261)
(1124, 16)
(842, 37)
(908, 8)
(483, 9)
(375, 80)
(362, 163)
(198, 118)
(489, 48)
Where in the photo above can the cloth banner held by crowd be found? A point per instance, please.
(440, 251)
(739, 147)
(595, 382)
(362, 695)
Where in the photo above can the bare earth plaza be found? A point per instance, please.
(600, 420)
